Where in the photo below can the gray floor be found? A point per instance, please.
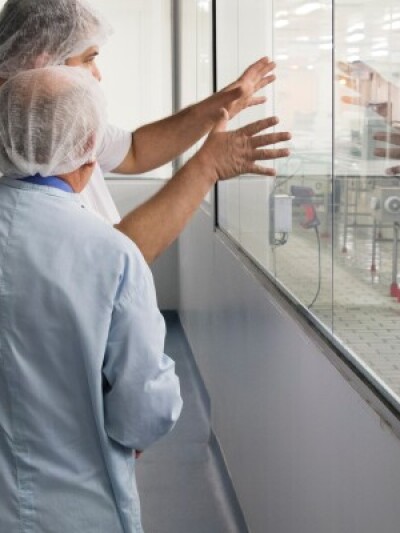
(182, 486)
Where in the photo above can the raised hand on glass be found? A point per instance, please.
(240, 94)
(255, 77)
(231, 153)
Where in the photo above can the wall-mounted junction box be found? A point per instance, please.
(280, 216)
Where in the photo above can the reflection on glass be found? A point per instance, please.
(243, 37)
(327, 228)
(366, 306)
(303, 100)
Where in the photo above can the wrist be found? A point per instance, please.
(204, 165)
(205, 112)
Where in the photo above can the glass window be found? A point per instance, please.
(367, 210)
(326, 228)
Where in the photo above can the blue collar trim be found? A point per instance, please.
(49, 181)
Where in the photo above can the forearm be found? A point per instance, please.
(156, 224)
(155, 144)
(160, 142)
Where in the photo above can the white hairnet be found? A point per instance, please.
(52, 121)
(39, 33)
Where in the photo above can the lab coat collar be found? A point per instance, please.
(52, 191)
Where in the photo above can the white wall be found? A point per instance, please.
(127, 195)
(137, 64)
(307, 454)
(137, 60)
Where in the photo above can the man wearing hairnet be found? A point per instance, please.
(35, 33)
(84, 381)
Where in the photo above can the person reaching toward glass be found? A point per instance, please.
(36, 33)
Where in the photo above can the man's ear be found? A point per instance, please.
(89, 165)
(42, 60)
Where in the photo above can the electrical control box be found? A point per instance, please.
(280, 215)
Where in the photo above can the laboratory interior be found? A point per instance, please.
(282, 294)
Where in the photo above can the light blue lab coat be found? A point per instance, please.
(83, 377)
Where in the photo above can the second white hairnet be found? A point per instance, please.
(52, 121)
(39, 33)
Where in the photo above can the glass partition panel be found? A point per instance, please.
(286, 222)
(326, 230)
(243, 37)
(303, 100)
(366, 304)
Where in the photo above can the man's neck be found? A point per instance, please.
(78, 179)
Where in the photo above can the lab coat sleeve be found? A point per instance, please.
(142, 395)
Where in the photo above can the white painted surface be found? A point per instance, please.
(306, 453)
(136, 64)
(127, 195)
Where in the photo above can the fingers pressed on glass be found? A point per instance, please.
(260, 125)
(266, 81)
(263, 63)
(257, 100)
(267, 67)
(263, 171)
(258, 70)
(266, 154)
(270, 138)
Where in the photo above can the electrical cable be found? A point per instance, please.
(319, 269)
(291, 176)
(283, 240)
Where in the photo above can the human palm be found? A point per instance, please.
(253, 79)
(240, 94)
